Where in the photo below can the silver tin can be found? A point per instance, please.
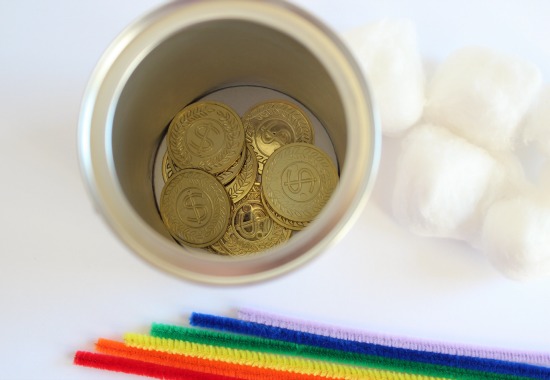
(187, 49)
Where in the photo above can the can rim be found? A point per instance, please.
(127, 51)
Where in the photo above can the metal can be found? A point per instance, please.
(179, 53)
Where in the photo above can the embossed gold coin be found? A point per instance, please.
(168, 167)
(251, 230)
(298, 180)
(207, 136)
(230, 174)
(241, 185)
(271, 125)
(195, 208)
(255, 195)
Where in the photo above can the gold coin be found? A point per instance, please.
(271, 125)
(241, 185)
(253, 194)
(207, 136)
(298, 180)
(284, 222)
(230, 174)
(195, 208)
(251, 230)
(168, 167)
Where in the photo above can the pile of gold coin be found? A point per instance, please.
(241, 186)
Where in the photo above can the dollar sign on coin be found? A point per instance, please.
(195, 208)
(271, 125)
(207, 136)
(252, 223)
(199, 141)
(298, 181)
(251, 230)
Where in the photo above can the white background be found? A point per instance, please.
(66, 280)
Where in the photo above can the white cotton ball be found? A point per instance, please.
(483, 96)
(537, 126)
(444, 184)
(516, 237)
(388, 53)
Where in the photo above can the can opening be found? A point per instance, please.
(185, 51)
(203, 59)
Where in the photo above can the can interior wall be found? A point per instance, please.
(163, 63)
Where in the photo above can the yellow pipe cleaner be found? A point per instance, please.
(266, 360)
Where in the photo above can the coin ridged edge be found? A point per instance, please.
(241, 185)
(233, 171)
(168, 167)
(282, 221)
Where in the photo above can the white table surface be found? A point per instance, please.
(66, 279)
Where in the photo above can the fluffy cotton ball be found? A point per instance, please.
(444, 184)
(482, 95)
(516, 237)
(537, 126)
(388, 53)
